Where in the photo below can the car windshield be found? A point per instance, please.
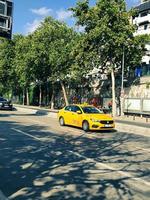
(2, 99)
(91, 110)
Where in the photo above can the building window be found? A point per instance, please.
(3, 23)
(2, 8)
(9, 11)
(145, 69)
(143, 14)
(145, 26)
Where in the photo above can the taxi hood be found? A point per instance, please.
(100, 116)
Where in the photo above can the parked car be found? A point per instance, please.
(5, 104)
(86, 117)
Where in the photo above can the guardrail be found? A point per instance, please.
(139, 106)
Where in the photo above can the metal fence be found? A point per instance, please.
(137, 106)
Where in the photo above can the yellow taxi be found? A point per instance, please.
(86, 117)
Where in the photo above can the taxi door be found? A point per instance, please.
(68, 115)
(76, 117)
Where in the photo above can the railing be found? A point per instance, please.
(139, 106)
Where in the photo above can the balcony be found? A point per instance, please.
(142, 32)
(139, 20)
(5, 23)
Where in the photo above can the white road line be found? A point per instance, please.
(112, 168)
(75, 130)
(91, 160)
(22, 132)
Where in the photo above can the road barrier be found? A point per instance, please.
(139, 106)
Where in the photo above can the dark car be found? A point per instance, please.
(5, 104)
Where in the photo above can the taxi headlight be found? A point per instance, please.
(95, 120)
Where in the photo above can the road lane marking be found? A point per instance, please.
(74, 130)
(126, 174)
(91, 160)
(22, 132)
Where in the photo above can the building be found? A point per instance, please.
(142, 22)
(137, 96)
(6, 9)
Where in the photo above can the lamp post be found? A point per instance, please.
(122, 82)
(122, 73)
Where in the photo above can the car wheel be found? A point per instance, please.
(85, 126)
(61, 121)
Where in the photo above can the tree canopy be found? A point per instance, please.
(56, 52)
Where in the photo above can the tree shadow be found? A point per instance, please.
(62, 167)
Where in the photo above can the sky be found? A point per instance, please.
(28, 14)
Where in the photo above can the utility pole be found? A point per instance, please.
(122, 82)
(122, 73)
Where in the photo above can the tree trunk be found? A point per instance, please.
(27, 95)
(52, 99)
(40, 95)
(113, 93)
(23, 100)
(64, 93)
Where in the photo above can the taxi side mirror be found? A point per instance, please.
(79, 112)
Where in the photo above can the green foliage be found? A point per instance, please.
(56, 52)
(108, 33)
(6, 59)
(22, 63)
(107, 28)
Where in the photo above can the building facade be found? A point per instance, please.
(142, 22)
(137, 96)
(6, 10)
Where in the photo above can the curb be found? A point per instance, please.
(133, 129)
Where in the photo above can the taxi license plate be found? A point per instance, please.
(107, 125)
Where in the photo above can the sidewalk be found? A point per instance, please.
(131, 124)
(134, 120)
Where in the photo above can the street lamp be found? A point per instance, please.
(122, 73)
(122, 81)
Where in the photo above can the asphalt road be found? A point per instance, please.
(39, 160)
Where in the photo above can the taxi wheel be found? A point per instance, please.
(85, 126)
(61, 121)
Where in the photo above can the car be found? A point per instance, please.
(86, 117)
(5, 104)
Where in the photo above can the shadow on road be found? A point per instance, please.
(64, 168)
(3, 113)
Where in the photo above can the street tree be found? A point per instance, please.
(107, 29)
(6, 60)
(22, 64)
(58, 41)
(38, 56)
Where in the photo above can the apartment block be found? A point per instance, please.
(6, 13)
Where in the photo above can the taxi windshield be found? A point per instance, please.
(91, 110)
